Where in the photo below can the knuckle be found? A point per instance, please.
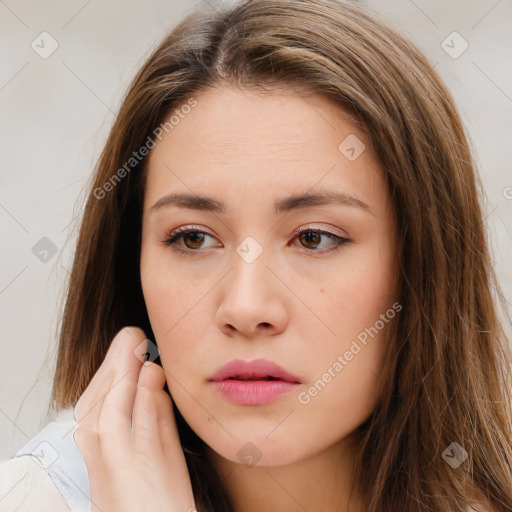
(79, 407)
(105, 429)
(109, 425)
(130, 331)
(128, 336)
(151, 376)
(77, 437)
(82, 438)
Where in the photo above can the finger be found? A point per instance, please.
(114, 422)
(152, 376)
(88, 442)
(145, 435)
(119, 398)
(168, 432)
(155, 432)
(172, 450)
(87, 410)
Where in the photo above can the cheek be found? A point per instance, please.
(338, 401)
(168, 293)
(359, 293)
(344, 378)
(178, 313)
(349, 299)
(359, 305)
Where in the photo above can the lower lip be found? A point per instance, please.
(253, 392)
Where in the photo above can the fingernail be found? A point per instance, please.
(147, 363)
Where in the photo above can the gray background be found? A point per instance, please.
(56, 113)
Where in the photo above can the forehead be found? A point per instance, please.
(284, 120)
(238, 139)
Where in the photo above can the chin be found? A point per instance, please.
(259, 454)
(258, 449)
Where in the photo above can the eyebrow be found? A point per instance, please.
(294, 202)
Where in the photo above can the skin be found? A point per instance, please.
(128, 436)
(298, 304)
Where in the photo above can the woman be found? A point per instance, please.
(287, 214)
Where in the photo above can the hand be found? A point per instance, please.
(131, 468)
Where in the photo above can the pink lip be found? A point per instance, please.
(228, 380)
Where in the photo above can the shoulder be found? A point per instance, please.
(26, 486)
(48, 473)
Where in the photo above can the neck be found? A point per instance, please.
(320, 482)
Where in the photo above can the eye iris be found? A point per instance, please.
(196, 237)
(311, 237)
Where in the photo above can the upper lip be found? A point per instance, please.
(255, 369)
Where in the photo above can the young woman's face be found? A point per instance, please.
(248, 286)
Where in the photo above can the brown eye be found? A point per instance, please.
(312, 238)
(192, 240)
(185, 240)
(196, 238)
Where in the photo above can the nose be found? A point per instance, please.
(252, 302)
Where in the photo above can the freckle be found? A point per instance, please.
(321, 290)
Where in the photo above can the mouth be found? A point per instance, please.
(256, 382)
(257, 369)
(241, 377)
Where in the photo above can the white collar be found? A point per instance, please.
(56, 451)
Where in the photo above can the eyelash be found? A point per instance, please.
(179, 233)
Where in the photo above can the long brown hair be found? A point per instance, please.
(448, 370)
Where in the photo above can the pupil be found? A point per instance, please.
(195, 243)
(311, 237)
(195, 240)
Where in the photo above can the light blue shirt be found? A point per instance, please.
(58, 453)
